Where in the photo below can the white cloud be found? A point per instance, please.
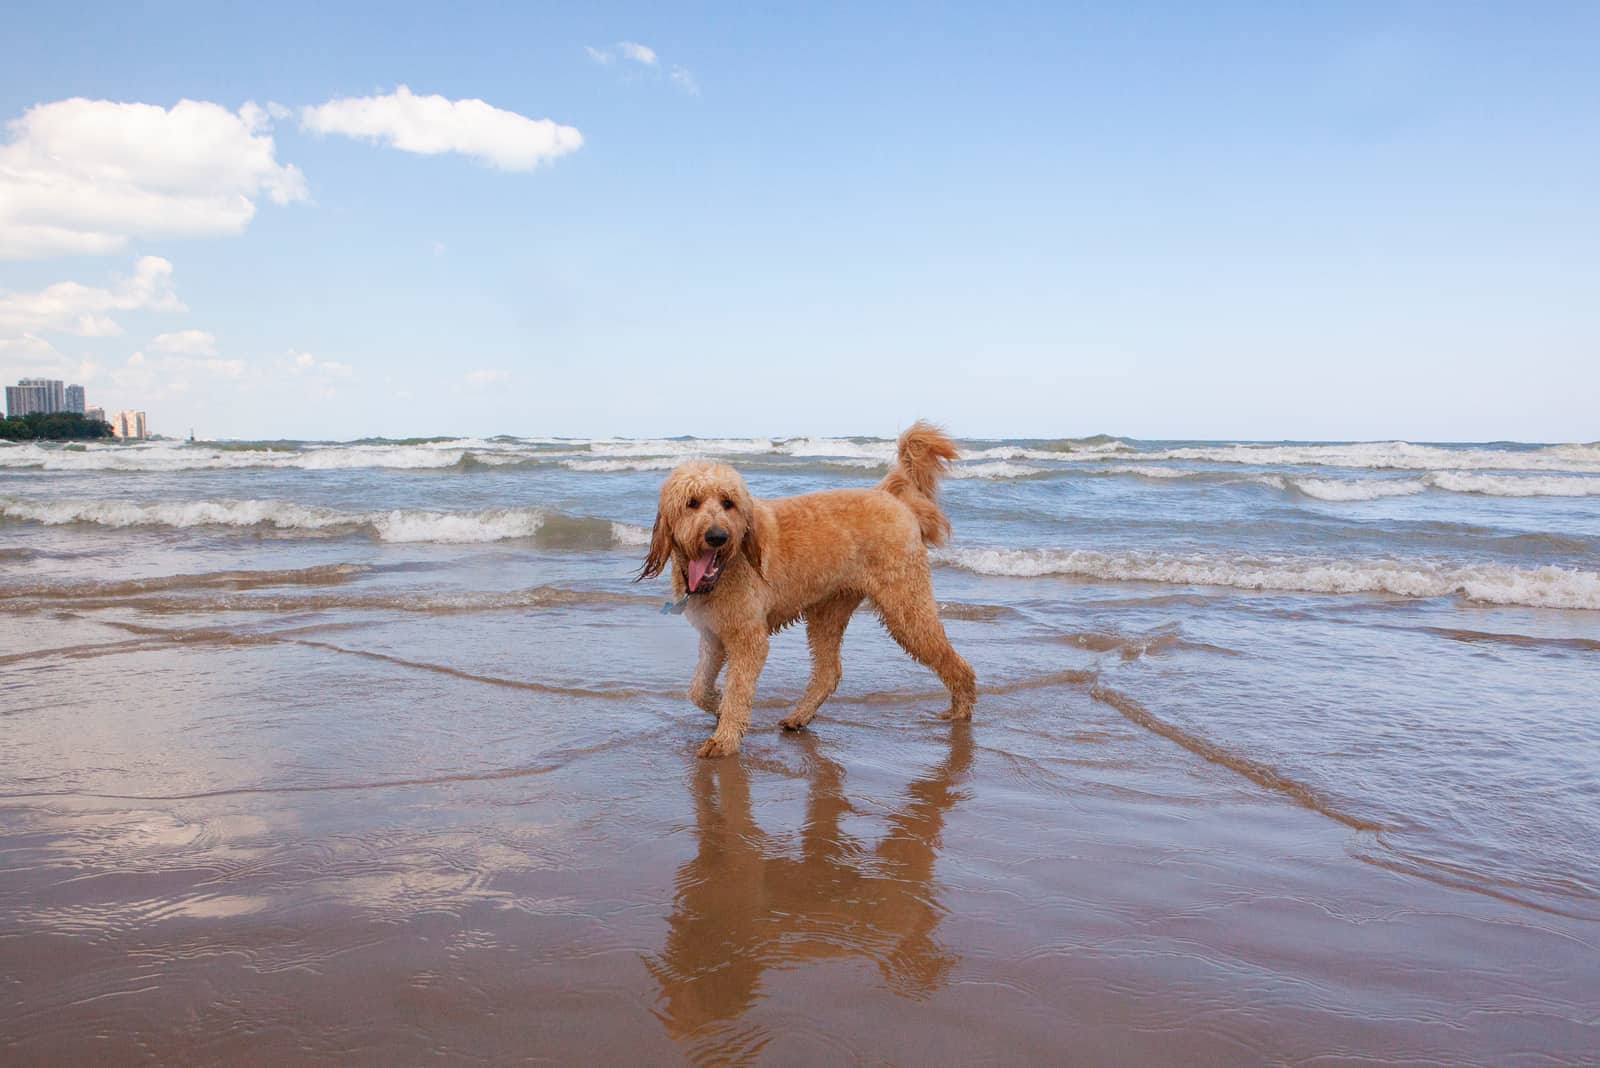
(432, 124)
(303, 363)
(145, 379)
(82, 177)
(187, 342)
(27, 345)
(645, 56)
(224, 368)
(487, 377)
(684, 80)
(31, 361)
(74, 308)
(637, 52)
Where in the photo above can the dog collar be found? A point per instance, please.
(675, 608)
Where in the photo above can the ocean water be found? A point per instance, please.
(1282, 750)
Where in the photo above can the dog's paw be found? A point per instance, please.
(796, 722)
(715, 747)
(956, 715)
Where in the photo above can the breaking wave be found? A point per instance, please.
(1379, 487)
(1373, 489)
(994, 469)
(1395, 455)
(169, 456)
(466, 454)
(1491, 485)
(546, 527)
(1536, 587)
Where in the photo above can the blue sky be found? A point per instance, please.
(1337, 221)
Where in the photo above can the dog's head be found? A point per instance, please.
(705, 517)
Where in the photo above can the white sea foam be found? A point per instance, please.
(882, 451)
(457, 528)
(1516, 485)
(629, 535)
(996, 469)
(223, 513)
(1015, 452)
(1542, 587)
(1368, 489)
(400, 525)
(1492, 485)
(1396, 455)
(643, 463)
(1150, 471)
(682, 448)
(172, 456)
(395, 456)
(1380, 487)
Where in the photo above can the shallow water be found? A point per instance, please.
(372, 753)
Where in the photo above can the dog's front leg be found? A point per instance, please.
(703, 687)
(747, 654)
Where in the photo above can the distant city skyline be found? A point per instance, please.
(1358, 221)
(42, 395)
(46, 396)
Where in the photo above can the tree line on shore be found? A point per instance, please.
(55, 426)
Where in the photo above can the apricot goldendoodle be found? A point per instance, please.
(743, 568)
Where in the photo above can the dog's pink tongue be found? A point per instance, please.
(698, 567)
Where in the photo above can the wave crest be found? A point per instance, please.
(547, 527)
(1540, 587)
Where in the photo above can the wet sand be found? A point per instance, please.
(298, 831)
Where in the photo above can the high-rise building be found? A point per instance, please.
(95, 414)
(129, 426)
(31, 395)
(74, 398)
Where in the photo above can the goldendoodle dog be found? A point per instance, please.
(743, 568)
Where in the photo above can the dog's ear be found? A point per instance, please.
(660, 550)
(751, 545)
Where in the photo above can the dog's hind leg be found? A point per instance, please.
(703, 687)
(909, 612)
(825, 624)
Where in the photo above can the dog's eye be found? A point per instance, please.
(694, 502)
(727, 504)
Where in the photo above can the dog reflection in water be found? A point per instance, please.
(748, 901)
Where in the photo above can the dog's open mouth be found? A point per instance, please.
(704, 571)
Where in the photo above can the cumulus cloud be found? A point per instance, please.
(74, 308)
(431, 125)
(81, 177)
(487, 377)
(187, 342)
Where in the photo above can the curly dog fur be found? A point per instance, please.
(748, 567)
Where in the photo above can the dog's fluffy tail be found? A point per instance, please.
(925, 453)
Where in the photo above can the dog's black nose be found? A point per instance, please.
(716, 537)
